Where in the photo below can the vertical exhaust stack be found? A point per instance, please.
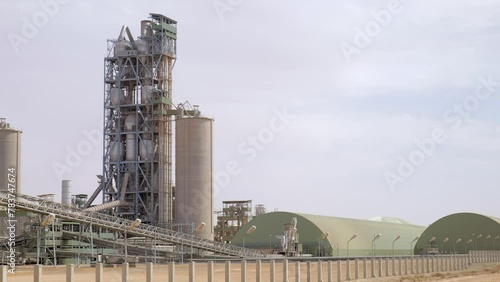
(66, 192)
(194, 173)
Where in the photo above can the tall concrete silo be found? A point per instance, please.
(194, 173)
(10, 156)
(10, 176)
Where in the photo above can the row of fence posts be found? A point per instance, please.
(412, 265)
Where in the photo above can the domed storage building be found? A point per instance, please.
(460, 233)
(316, 235)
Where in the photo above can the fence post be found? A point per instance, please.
(320, 272)
(339, 270)
(125, 272)
(149, 272)
(210, 271)
(285, 270)
(228, 271)
(380, 267)
(297, 271)
(98, 272)
(70, 273)
(243, 271)
(373, 267)
(364, 267)
(3, 274)
(412, 266)
(406, 266)
(356, 270)
(258, 270)
(348, 270)
(272, 270)
(38, 273)
(171, 272)
(386, 266)
(393, 266)
(309, 272)
(330, 271)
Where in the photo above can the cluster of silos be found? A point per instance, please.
(194, 173)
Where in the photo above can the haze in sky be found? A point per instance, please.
(344, 108)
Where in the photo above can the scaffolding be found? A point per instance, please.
(137, 153)
(233, 216)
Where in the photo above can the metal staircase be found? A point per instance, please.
(41, 206)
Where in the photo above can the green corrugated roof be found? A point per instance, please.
(463, 226)
(312, 227)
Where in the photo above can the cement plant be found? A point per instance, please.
(156, 204)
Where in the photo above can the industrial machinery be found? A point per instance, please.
(137, 168)
(233, 216)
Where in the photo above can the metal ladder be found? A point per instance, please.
(41, 206)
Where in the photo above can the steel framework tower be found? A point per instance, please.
(137, 152)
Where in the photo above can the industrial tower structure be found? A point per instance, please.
(137, 154)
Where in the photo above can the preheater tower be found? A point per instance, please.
(137, 154)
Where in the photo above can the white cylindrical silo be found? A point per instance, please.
(66, 192)
(10, 157)
(194, 173)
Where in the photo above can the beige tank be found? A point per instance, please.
(194, 173)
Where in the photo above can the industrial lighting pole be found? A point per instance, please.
(134, 224)
(486, 238)
(197, 229)
(352, 238)
(456, 242)
(373, 243)
(250, 230)
(411, 245)
(468, 242)
(393, 241)
(270, 247)
(444, 241)
(475, 243)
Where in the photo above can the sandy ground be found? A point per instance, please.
(478, 272)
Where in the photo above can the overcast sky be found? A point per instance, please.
(338, 95)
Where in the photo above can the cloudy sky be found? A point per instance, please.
(342, 108)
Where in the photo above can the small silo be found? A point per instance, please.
(66, 192)
(10, 155)
(194, 173)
